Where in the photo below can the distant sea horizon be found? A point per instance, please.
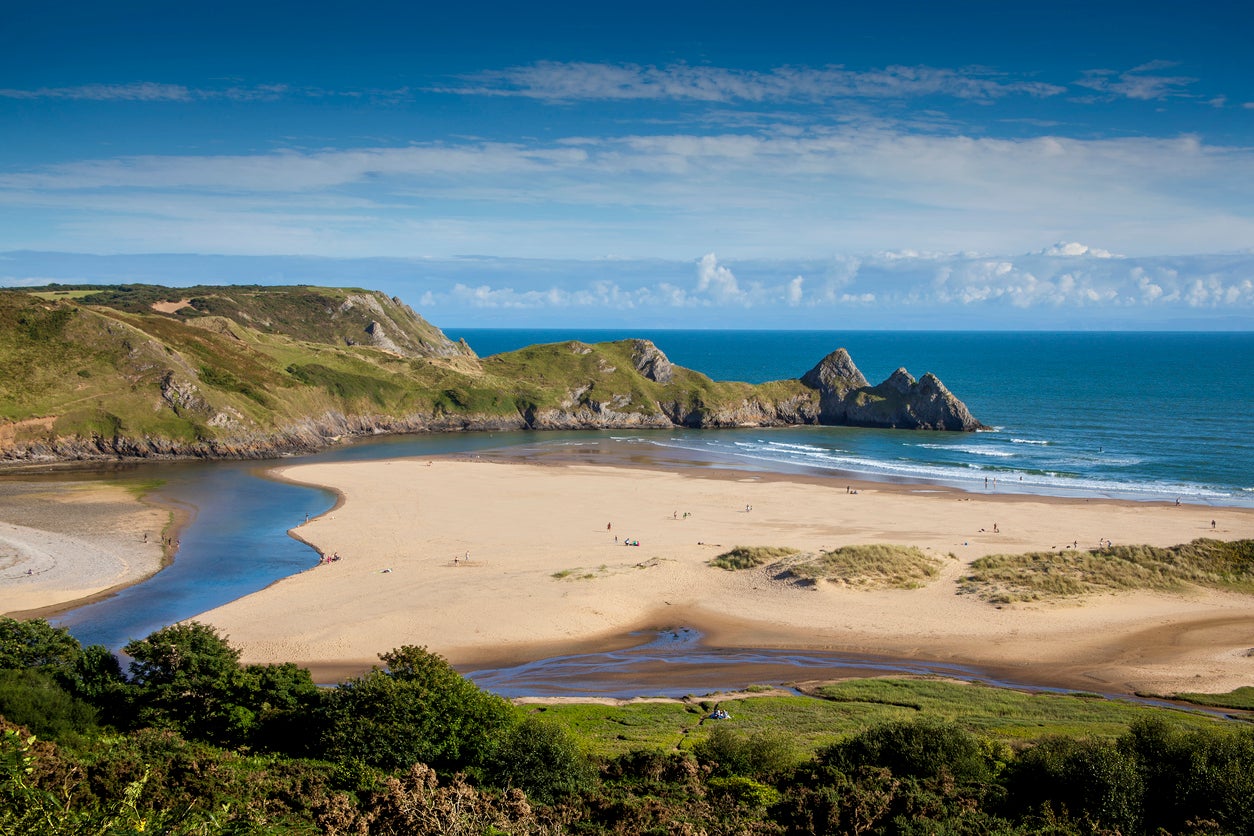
(1143, 415)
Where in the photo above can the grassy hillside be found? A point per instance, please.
(142, 370)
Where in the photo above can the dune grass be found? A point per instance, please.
(750, 557)
(1007, 578)
(870, 566)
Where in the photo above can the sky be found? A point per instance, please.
(836, 165)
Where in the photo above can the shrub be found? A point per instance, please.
(420, 710)
(926, 749)
(35, 700)
(758, 754)
(541, 759)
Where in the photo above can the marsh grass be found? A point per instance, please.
(1007, 578)
(750, 557)
(1242, 699)
(870, 566)
(843, 709)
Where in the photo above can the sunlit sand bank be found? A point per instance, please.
(63, 542)
(490, 562)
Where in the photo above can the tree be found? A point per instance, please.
(419, 710)
(283, 697)
(187, 677)
(36, 644)
(1087, 780)
(86, 673)
(541, 759)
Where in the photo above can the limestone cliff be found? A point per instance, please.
(845, 398)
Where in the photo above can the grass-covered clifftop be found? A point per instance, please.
(143, 370)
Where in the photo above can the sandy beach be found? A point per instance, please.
(64, 542)
(494, 562)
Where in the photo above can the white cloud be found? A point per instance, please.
(1073, 248)
(146, 91)
(1142, 83)
(794, 292)
(845, 190)
(1027, 290)
(141, 91)
(717, 280)
(574, 81)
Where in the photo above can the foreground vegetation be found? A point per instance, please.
(193, 742)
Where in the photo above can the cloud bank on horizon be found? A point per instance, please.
(515, 169)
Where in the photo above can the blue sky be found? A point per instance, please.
(786, 165)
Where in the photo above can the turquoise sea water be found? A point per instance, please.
(1143, 416)
(1151, 416)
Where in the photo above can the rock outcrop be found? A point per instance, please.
(899, 402)
(649, 361)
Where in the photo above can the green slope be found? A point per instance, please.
(140, 370)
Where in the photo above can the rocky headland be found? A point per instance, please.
(143, 372)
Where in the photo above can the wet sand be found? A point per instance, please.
(65, 543)
(492, 563)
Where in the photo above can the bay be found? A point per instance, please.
(1141, 416)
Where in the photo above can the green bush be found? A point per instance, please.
(35, 700)
(926, 749)
(759, 754)
(1085, 780)
(419, 710)
(540, 758)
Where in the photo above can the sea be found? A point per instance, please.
(1153, 417)
(1129, 415)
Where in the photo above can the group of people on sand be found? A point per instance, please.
(330, 558)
